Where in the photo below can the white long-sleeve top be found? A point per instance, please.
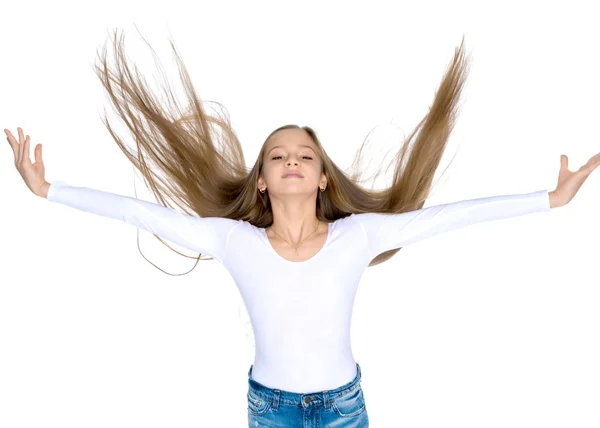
(300, 311)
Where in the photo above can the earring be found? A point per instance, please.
(322, 189)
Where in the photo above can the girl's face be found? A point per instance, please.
(291, 150)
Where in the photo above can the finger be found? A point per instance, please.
(21, 145)
(592, 163)
(13, 146)
(26, 159)
(9, 134)
(592, 160)
(24, 153)
(11, 139)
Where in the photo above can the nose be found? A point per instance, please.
(288, 162)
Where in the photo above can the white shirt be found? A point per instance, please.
(300, 311)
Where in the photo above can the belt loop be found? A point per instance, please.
(275, 399)
(325, 399)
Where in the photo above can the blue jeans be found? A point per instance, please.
(343, 407)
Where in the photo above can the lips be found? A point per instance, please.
(292, 174)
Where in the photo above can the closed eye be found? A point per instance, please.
(308, 157)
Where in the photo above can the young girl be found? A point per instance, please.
(295, 232)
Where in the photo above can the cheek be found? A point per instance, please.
(270, 170)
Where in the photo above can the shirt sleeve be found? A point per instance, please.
(205, 235)
(389, 231)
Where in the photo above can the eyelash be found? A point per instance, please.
(302, 156)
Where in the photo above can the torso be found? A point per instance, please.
(307, 249)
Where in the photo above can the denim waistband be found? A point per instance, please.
(279, 396)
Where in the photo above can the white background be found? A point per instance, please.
(493, 325)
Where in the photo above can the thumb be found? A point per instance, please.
(564, 161)
(38, 153)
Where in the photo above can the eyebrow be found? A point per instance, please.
(300, 145)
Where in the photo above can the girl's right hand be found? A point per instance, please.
(32, 173)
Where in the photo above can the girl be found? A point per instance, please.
(295, 232)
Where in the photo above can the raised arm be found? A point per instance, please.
(206, 235)
(388, 231)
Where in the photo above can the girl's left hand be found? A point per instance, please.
(569, 182)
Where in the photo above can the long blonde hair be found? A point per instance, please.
(210, 180)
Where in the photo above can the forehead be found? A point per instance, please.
(290, 138)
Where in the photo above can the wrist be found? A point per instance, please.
(554, 203)
(43, 192)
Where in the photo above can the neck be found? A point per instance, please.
(295, 232)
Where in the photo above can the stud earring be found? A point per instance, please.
(263, 190)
